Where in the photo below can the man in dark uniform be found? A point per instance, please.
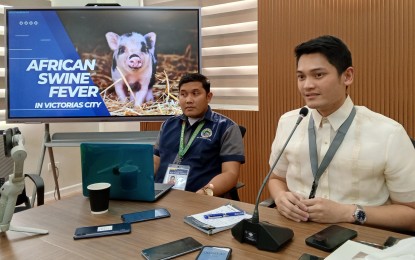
(205, 145)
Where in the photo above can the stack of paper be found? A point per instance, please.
(352, 250)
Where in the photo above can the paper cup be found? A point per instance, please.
(99, 197)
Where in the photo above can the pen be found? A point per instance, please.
(222, 215)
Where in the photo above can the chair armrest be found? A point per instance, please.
(270, 203)
(239, 185)
(40, 187)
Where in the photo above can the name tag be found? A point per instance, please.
(177, 174)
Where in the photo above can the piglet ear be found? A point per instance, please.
(151, 41)
(112, 39)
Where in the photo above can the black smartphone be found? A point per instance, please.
(214, 253)
(172, 249)
(145, 215)
(330, 238)
(306, 256)
(105, 230)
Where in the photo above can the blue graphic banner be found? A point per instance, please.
(41, 54)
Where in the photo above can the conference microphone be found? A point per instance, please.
(266, 236)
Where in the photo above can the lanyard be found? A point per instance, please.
(338, 139)
(183, 149)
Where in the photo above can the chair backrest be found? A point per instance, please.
(243, 130)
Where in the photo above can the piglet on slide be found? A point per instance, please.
(133, 57)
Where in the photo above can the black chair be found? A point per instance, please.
(270, 203)
(6, 168)
(243, 130)
(233, 193)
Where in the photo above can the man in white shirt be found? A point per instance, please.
(371, 176)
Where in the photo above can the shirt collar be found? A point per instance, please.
(337, 118)
(208, 116)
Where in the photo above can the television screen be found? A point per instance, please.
(98, 63)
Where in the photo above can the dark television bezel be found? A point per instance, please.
(141, 118)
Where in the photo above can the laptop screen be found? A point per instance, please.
(128, 167)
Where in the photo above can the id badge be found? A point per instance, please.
(177, 174)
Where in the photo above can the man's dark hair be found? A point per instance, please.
(331, 47)
(195, 77)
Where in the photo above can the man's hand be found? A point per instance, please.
(327, 211)
(290, 205)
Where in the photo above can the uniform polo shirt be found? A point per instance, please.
(218, 141)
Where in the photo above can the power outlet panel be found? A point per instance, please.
(57, 164)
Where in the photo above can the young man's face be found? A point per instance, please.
(320, 84)
(194, 100)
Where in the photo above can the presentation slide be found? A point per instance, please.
(69, 63)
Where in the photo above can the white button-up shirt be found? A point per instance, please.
(374, 163)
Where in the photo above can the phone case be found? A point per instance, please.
(306, 256)
(172, 249)
(214, 252)
(391, 241)
(330, 238)
(104, 230)
(145, 215)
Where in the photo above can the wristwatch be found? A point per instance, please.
(359, 215)
(208, 189)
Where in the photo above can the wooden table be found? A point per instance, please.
(62, 217)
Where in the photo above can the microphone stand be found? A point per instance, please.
(266, 236)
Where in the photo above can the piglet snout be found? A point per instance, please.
(134, 62)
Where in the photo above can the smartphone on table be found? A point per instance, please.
(100, 231)
(172, 249)
(214, 253)
(306, 256)
(145, 215)
(330, 238)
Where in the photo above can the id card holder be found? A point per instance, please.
(177, 174)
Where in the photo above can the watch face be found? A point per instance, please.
(208, 189)
(209, 192)
(361, 215)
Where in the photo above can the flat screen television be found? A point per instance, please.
(98, 63)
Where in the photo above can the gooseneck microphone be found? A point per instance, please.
(266, 236)
(255, 216)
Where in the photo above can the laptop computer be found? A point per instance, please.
(128, 167)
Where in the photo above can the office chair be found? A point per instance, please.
(270, 203)
(243, 130)
(233, 193)
(6, 168)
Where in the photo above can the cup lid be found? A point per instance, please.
(98, 186)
